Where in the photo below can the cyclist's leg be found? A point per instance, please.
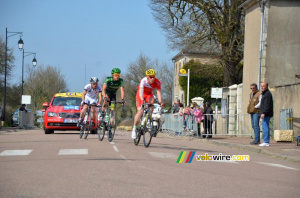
(150, 100)
(112, 98)
(137, 116)
(82, 113)
(104, 106)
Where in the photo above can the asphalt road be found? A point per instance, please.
(33, 164)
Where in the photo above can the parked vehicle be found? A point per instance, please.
(15, 117)
(62, 113)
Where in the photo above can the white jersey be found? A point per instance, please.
(91, 94)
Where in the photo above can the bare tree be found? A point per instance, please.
(136, 71)
(10, 64)
(42, 83)
(205, 25)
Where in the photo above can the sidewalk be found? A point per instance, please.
(283, 150)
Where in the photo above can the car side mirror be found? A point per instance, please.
(45, 104)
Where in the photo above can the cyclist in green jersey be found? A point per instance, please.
(110, 88)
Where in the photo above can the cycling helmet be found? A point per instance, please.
(150, 72)
(115, 71)
(94, 80)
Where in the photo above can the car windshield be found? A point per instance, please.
(63, 101)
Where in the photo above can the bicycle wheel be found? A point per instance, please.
(101, 132)
(112, 129)
(81, 131)
(138, 136)
(147, 132)
(88, 126)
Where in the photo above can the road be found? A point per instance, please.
(33, 164)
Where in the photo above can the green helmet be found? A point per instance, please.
(115, 71)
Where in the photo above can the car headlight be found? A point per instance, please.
(51, 114)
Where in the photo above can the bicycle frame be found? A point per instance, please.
(109, 122)
(87, 124)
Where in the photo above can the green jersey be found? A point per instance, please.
(113, 86)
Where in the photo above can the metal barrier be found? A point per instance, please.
(225, 124)
(26, 120)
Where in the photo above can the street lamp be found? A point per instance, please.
(20, 43)
(34, 62)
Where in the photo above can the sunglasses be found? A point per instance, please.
(94, 83)
(116, 74)
(151, 76)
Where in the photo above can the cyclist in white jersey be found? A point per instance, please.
(89, 96)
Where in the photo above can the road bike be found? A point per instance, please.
(146, 128)
(87, 123)
(108, 123)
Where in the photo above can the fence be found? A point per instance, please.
(225, 124)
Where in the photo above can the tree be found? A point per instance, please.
(10, 62)
(11, 96)
(207, 25)
(202, 78)
(136, 71)
(42, 83)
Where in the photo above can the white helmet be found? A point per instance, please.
(94, 80)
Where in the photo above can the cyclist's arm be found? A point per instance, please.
(158, 95)
(141, 92)
(122, 93)
(104, 90)
(100, 98)
(83, 95)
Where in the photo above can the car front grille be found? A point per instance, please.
(61, 124)
(67, 115)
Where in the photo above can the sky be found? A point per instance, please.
(83, 38)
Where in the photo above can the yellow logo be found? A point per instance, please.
(182, 71)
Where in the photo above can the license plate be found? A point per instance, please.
(70, 121)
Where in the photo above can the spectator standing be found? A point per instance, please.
(208, 120)
(266, 112)
(253, 110)
(199, 117)
(23, 108)
(176, 106)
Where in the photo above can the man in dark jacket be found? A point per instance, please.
(266, 112)
(208, 120)
(176, 107)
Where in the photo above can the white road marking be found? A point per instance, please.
(128, 160)
(225, 161)
(151, 169)
(163, 155)
(73, 152)
(112, 143)
(15, 152)
(116, 149)
(277, 165)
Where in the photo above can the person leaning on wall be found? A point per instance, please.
(253, 110)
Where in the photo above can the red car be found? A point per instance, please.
(63, 112)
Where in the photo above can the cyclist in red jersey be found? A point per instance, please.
(144, 92)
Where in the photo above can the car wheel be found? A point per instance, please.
(47, 131)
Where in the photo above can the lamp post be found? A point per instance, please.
(34, 62)
(20, 43)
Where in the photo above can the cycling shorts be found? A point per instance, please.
(89, 100)
(139, 102)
